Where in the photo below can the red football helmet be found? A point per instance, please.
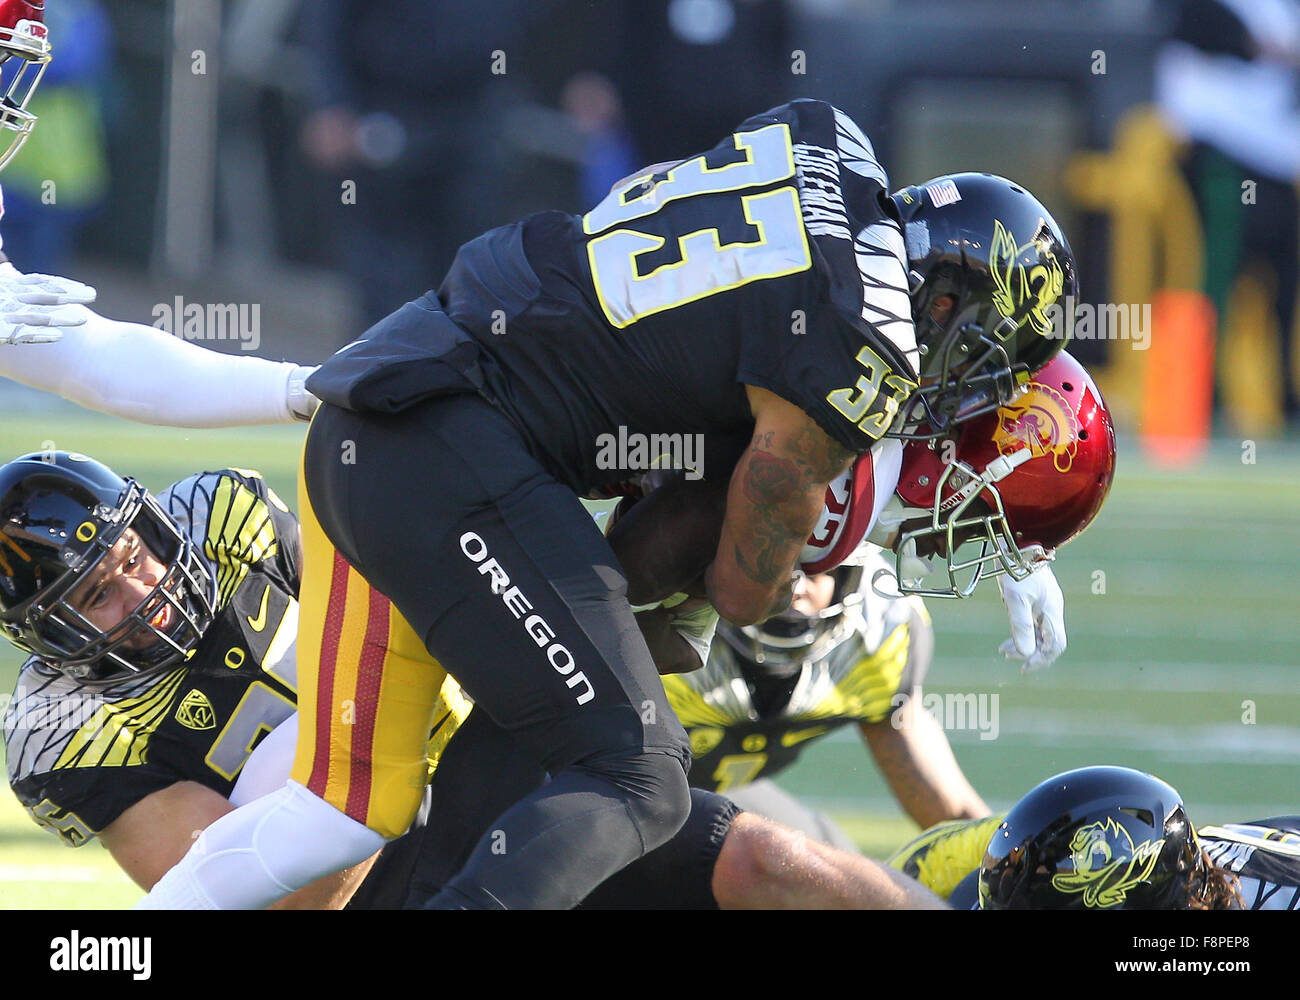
(1018, 482)
(24, 54)
(845, 518)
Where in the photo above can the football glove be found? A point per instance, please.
(34, 306)
(1036, 608)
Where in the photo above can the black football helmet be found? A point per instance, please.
(60, 514)
(1096, 838)
(994, 248)
(790, 638)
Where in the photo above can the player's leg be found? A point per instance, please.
(767, 799)
(368, 696)
(743, 860)
(723, 858)
(765, 866)
(369, 693)
(482, 774)
(515, 591)
(678, 875)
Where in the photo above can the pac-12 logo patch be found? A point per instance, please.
(1041, 420)
(195, 711)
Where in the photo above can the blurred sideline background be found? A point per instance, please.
(318, 162)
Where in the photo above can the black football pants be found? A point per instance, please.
(516, 593)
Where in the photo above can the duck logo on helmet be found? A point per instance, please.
(1043, 421)
(1107, 865)
(1023, 294)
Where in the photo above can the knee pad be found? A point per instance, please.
(653, 787)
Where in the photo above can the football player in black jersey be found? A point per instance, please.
(162, 633)
(763, 288)
(1107, 838)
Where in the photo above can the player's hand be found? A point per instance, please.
(43, 289)
(1036, 608)
(33, 307)
(24, 324)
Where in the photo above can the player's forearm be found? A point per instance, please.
(768, 519)
(917, 761)
(775, 497)
(329, 893)
(142, 373)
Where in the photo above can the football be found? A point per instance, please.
(666, 540)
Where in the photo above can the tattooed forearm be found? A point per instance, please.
(770, 484)
(783, 490)
(814, 458)
(773, 500)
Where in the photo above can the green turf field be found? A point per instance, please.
(1195, 615)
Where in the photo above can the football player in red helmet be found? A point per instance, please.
(994, 497)
(1019, 481)
(24, 53)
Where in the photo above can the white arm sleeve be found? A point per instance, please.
(145, 374)
(268, 767)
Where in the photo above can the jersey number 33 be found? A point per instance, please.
(637, 273)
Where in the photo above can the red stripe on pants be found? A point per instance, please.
(335, 613)
(370, 673)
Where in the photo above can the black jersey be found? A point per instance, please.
(771, 260)
(1264, 855)
(79, 755)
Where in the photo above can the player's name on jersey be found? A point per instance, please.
(632, 451)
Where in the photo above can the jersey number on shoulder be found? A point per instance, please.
(705, 265)
(859, 402)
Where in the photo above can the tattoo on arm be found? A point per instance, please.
(771, 483)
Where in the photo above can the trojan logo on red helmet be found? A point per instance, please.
(1043, 421)
(1018, 481)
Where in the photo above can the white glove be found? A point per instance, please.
(1036, 608)
(43, 289)
(34, 306)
